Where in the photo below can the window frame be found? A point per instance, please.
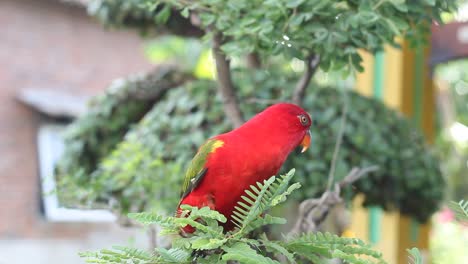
(49, 149)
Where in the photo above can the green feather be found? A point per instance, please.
(197, 169)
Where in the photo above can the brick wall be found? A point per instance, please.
(46, 44)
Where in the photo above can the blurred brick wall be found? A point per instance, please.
(46, 44)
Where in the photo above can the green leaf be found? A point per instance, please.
(282, 197)
(148, 218)
(244, 254)
(207, 18)
(203, 243)
(163, 15)
(276, 247)
(309, 251)
(294, 3)
(173, 255)
(185, 12)
(430, 2)
(325, 245)
(460, 209)
(204, 212)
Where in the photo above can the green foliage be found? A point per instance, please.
(409, 177)
(461, 210)
(94, 135)
(145, 16)
(146, 169)
(316, 245)
(210, 244)
(150, 161)
(294, 28)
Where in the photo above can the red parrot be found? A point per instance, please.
(227, 164)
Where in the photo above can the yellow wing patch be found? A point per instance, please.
(197, 169)
(216, 145)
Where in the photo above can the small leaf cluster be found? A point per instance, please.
(335, 30)
(461, 210)
(96, 141)
(210, 244)
(142, 15)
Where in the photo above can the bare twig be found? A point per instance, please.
(155, 84)
(312, 212)
(311, 66)
(226, 87)
(339, 140)
(152, 236)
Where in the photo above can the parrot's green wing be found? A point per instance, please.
(197, 168)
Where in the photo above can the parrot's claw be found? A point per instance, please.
(200, 254)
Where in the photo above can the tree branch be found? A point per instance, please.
(312, 212)
(226, 87)
(339, 140)
(311, 66)
(152, 238)
(156, 83)
(253, 61)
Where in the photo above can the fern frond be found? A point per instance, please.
(204, 220)
(204, 212)
(330, 246)
(219, 247)
(245, 254)
(118, 255)
(200, 227)
(260, 198)
(204, 243)
(251, 208)
(172, 225)
(414, 256)
(149, 218)
(173, 255)
(262, 221)
(276, 248)
(460, 210)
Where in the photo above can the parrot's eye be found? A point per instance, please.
(304, 120)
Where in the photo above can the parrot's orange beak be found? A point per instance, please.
(305, 143)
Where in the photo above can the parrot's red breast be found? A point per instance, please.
(227, 164)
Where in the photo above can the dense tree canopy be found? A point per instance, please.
(129, 151)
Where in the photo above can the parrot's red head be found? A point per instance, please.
(284, 123)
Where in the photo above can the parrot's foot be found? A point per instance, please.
(186, 231)
(202, 253)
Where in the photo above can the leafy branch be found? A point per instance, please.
(226, 86)
(210, 244)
